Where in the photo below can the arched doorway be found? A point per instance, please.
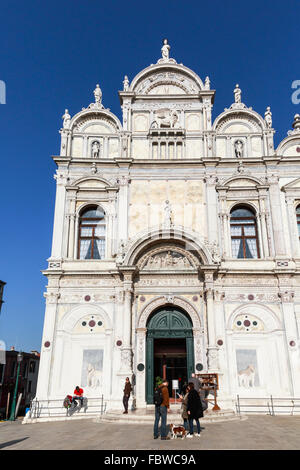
(169, 347)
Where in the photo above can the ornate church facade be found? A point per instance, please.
(175, 245)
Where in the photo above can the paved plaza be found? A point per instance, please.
(254, 433)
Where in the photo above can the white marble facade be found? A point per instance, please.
(166, 180)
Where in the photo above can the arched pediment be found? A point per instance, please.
(256, 311)
(162, 302)
(167, 79)
(143, 244)
(239, 122)
(168, 257)
(94, 121)
(242, 181)
(92, 182)
(289, 147)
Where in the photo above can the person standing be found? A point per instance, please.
(162, 407)
(195, 381)
(127, 390)
(194, 410)
(184, 414)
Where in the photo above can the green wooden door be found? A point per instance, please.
(167, 323)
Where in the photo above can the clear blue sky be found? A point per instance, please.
(51, 57)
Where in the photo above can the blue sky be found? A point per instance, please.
(51, 57)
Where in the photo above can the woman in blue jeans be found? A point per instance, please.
(194, 410)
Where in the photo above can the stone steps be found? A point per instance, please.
(146, 416)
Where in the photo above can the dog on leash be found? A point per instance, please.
(177, 431)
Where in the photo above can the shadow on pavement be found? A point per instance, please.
(11, 443)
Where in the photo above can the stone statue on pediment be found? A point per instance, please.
(207, 84)
(237, 94)
(125, 83)
(67, 119)
(98, 95)
(165, 50)
(268, 117)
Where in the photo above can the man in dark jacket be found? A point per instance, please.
(161, 412)
(127, 390)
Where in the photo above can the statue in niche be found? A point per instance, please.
(95, 149)
(125, 83)
(237, 94)
(98, 95)
(165, 50)
(268, 117)
(67, 119)
(238, 148)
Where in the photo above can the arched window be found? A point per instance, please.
(91, 240)
(243, 229)
(298, 219)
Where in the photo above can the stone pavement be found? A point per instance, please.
(256, 432)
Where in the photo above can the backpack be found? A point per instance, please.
(158, 397)
(67, 401)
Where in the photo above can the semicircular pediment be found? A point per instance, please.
(168, 258)
(167, 82)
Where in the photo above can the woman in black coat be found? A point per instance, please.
(194, 409)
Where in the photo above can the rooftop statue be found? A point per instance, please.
(165, 50)
(207, 83)
(67, 119)
(125, 83)
(268, 117)
(237, 94)
(98, 94)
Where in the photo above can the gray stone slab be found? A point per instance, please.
(257, 432)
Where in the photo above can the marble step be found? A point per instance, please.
(146, 416)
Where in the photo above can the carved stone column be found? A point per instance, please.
(72, 208)
(263, 225)
(292, 338)
(279, 242)
(47, 351)
(123, 182)
(294, 236)
(60, 201)
(140, 359)
(211, 197)
(126, 350)
(212, 352)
